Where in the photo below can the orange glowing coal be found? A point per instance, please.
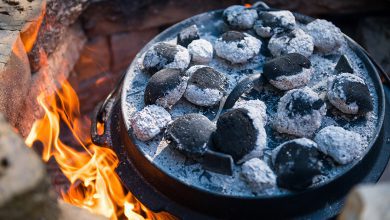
(91, 171)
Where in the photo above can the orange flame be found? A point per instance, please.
(94, 184)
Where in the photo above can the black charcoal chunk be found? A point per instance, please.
(349, 93)
(165, 88)
(186, 36)
(243, 86)
(297, 162)
(236, 133)
(165, 55)
(206, 86)
(288, 71)
(190, 134)
(240, 17)
(343, 65)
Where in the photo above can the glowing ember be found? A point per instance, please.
(94, 184)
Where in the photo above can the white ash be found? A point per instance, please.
(342, 145)
(261, 141)
(295, 41)
(201, 51)
(294, 123)
(172, 162)
(238, 51)
(292, 81)
(301, 141)
(258, 175)
(203, 97)
(262, 30)
(274, 22)
(257, 111)
(240, 17)
(173, 96)
(181, 60)
(148, 122)
(193, 69)
(337, 96)
(327, 37)
(255, 107)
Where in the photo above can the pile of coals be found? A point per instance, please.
(299, 104)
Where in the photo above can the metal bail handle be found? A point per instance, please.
(99, 139)
(102, 113)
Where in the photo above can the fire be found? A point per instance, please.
(91, 171)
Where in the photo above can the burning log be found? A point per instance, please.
(25, 16)
(14, 74)
(56, 69)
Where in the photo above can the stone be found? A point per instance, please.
(15, 74)
(125, 46)
(24, 187)
(367, 202)
(374, 35)
(105, 17)
(69, 212)
(313, 7)
(25, 16)
(95, 58)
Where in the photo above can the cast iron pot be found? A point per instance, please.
(160, 191)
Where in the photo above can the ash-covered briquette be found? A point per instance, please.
(190, 134)
(295, 41)
(187, 35)
(288, 71)
(349, 93)
(206, 86)
(258, 175)
(240, 134)
(272, 22)
(240, 17)
(166, 55)
(148, 122)
(327, 37)
(237, 47)
(299, 112)
(165, 88)
(255, 107)
(342, 145)
(201, 51)
(296, 163)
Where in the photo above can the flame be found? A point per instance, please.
(247, 5)
(91, 171)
